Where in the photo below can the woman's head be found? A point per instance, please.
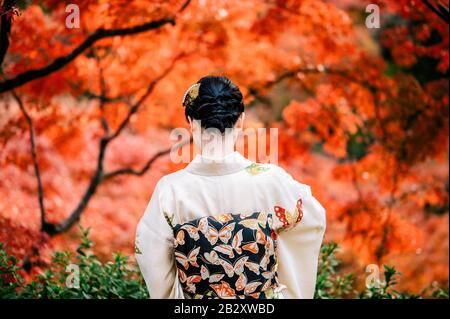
(215, 102)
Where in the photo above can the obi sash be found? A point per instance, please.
(227, 256)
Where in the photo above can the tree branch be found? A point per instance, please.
(98, 176)
(281, 77)
(103, 98)
(103, 92)
(442, 13)
(60, 62)
(99, 34)
(184, 6)
(53, 229)
(134, 108)
(146, 167)
(37, 171)
(5, 27)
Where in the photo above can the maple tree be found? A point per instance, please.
(362, 114)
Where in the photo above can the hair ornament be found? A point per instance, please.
(191, 94)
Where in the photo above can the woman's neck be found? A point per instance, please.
(218, 147)
(216, 153)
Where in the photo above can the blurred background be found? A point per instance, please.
(89, 93)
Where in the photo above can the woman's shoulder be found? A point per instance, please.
(265, 170)
(266, 175)
(272, 172)
(273, 176)
(171, 179)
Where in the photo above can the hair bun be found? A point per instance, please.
(219, 103)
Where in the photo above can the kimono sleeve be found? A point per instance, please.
(154, 249)
(301, 226)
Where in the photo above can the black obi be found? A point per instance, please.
(227, 256)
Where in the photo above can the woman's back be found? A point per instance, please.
(220, 225)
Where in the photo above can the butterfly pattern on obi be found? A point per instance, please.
(227, 256)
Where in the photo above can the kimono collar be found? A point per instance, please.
(210, 166)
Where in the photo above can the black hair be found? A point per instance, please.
(218, 105)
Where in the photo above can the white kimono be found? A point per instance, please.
(281, 230)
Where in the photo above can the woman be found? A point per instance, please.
(225, 227)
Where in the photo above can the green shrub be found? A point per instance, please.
(331, 284)
(121, 278)
(118, 278)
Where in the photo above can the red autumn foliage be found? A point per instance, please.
(362, 117)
